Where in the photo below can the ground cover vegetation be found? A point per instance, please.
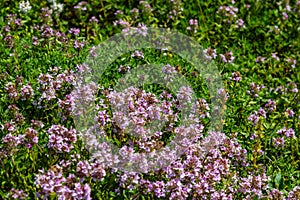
(256, 48)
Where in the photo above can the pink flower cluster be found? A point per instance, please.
(169, 72)
(197, 177)
(229, 12)
(290, 133)
(61, 139)
(227, 57)
(271, 105)
(210, 53)
(255, 116)
(31, 137)
(67, 106)
(17, 194)
(255, 89)
(236, 76)
(51, 83)
(136, 110)
(53, 181)
(193, 25)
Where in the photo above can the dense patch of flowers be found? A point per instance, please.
(43, 91)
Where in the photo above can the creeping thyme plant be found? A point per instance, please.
(255, 47)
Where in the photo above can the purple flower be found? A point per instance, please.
(227, 57)
(289, 112)
(146, 7)
(261, 59)
(97, 171)
(285, 16)
(223, 94)
(119, 13)
(236, 76)
(102, 117)
(13, 141)
(253, 118)
(275, 194)
(141, 29)
(45, 79)
(261, 112)
(53, 181)
(279, 142)
(10, 127)
(83, 68)
(31, 137)
(123, 68)
(47, 32)
(292, 87)
(134, 12)
(12, 91)
(295, 192)
(13, 109)
(274, 56)
(240, 24)
(185, 94)
(26, 92)
(121, 22)
(81, 6)
(36, 124)
(138, 54)
(17, 194)
(9, 39)
(229, 13)
(6, 28)
(35, 41)
(83, 168)
(276, 29)
(290, 133)
(193, 25)
(61, 138)
(66, 105)
(210, 53)
(282, 131)
(293, 61)
(170, 72)
(254, 89)
(75, 31)
(78, 44)
(271, 105)
(253, 136)
(94, 20)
